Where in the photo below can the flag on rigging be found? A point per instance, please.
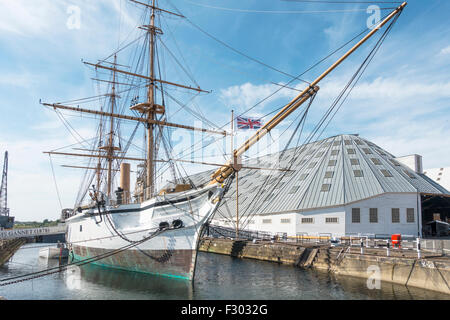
(248, 123)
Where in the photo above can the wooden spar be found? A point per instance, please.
(92, 156)
(159, 9)
(125, 117)
(157, 160)
(91, 168)
(110, 147)
(152, 79)
(232, 165)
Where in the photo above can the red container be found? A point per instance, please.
(396, 239)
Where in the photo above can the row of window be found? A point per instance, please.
(327, 220)
(268, 221)
(373, 215)
(303, 220)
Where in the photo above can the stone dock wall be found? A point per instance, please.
(8, 248)
(431, 272)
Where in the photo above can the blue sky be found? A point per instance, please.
(401, 103)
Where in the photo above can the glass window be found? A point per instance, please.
(358, 173)
(410, 215)
(356, 215)
(367, 151)
(334, 152)
(303, 176)
(329, 174)
(285, 220)
(395, 215)
(351, 151)
(326, 187)
(307, 220)
(332, 220)
(332, 163)
(294, 189)
(354, 162)
(376, 161)
(267, 221)
(373, 215)
(386, 173)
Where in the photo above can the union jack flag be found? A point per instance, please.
(248, 123)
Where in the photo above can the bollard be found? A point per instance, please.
(387, 248)
(418, 248)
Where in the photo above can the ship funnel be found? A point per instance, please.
(125, 180)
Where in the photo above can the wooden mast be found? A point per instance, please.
(233, 165)
(149, 185)
(111, 133)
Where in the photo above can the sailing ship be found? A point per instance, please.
(155, 231)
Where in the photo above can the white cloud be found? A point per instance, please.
(445, 51)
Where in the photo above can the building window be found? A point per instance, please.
(303, 176)
(354, 162)
(294, 189)
(351, 151)
(376, 161)
(312, 165)
(373, 215)
(81, 227)
(386, 173)
(326, 187)
(336, 143)
(251, 222)
(319, 154)
(367, 151)
(410, 215)
(285, 220)
(358, 173)
(395, 215)
(358, 142)
(332, 220)
(329, 174)
(334, 152)
(332, 163)
(356, 215)
(410, 174)
(307, 220)
(395, 163)
(267, 221)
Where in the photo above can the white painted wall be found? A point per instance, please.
(385, 203)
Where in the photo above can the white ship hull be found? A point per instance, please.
(172, 252)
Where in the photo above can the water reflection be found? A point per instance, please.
(153, 287)
(217, 277)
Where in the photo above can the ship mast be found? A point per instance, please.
(149, 185)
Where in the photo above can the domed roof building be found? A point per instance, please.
(342, 185)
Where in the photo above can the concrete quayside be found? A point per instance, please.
(402, 266)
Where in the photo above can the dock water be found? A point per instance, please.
(430, 272)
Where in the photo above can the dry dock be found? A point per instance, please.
(431, 271)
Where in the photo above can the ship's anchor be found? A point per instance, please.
(100, 203)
